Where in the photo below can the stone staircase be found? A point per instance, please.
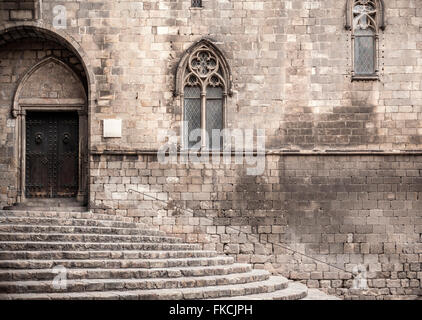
(110, 257)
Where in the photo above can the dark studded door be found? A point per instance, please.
(52, 152)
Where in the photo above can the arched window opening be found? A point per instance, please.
(365, 18)
(203, 78)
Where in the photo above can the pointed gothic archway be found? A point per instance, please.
(50, 104)
(59, 92)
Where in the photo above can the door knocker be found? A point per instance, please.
(66, 138)
(38, 137)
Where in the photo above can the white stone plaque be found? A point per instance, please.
(112, 128)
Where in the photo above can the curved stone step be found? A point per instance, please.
(125, 273)
(83, 285)
(110, 257)
(107, 254)
(64, 215)
(205, 292)
(45, 204)
(72, 222)
(77, 237)
(23, 228)
(115, 263)
(294, 291)
(315, 294)
(39, 245)
(67, 209)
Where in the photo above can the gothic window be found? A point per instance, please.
(365, 18)
(203, 84)
(197, 3)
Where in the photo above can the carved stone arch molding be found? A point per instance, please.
(204, 45)
(51, 85)
(380, 16)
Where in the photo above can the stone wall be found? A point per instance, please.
(291, 72)
(21, 10)
(348, 211)
(290, 63)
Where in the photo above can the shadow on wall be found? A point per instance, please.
(286, 207)
(344, 127)
(348, 211)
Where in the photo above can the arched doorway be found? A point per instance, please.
(52, 91)
(50, 105)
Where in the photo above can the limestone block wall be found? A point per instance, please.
(290, 63)
(347, 211)
(21, 10)
(291, 73)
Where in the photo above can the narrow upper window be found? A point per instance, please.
(196, 4)
(365, 18)
(203, 82)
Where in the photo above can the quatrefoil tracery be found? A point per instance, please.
(203, 63)
(203, 69)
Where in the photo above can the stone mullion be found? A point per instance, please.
(203, 118)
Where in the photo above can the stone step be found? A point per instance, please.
(69, 237)
(294, 291)
(66, 205)
(205, 292)
(47, 203)
(17, 228)
(315, 294)
(42, 213)
(83, 285)
(125, 273)
(39, 245)
(73, 222)
(110, 257)
(66, 209)
(117, 254)
(115, 263)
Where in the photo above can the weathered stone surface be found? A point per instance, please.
(52, 81)
(291, 70)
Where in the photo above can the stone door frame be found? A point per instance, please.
(19, 111)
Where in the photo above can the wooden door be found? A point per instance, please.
(52, 151)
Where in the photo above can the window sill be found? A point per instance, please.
(365, 78)
(196, 8)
